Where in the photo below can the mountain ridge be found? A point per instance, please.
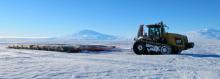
(90, 35)
(204, 34)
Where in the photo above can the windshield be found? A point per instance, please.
(154, 32)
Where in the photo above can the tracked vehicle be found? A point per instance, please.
(158, 41)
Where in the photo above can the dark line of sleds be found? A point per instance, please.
(65, 48)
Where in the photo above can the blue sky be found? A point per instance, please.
(51, 18)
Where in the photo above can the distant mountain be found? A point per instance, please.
(90, 35)
(204, 33)
(210, 33)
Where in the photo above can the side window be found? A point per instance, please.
(157, 32)
(151, 32)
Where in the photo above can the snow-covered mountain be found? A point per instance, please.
(204, 34)
(210, 33)
(90, 35)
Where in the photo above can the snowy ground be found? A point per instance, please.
(202, 62)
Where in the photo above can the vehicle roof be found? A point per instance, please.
(154, 25)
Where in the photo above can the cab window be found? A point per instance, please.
(154, 32)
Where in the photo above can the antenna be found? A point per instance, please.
(164, 25)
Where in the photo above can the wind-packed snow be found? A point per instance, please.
(202, 62)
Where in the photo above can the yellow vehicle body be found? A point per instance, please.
(158, 41)
(172, 41)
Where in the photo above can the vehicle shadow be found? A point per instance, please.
(203, 55)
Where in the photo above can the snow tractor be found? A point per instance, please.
(158, 41)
